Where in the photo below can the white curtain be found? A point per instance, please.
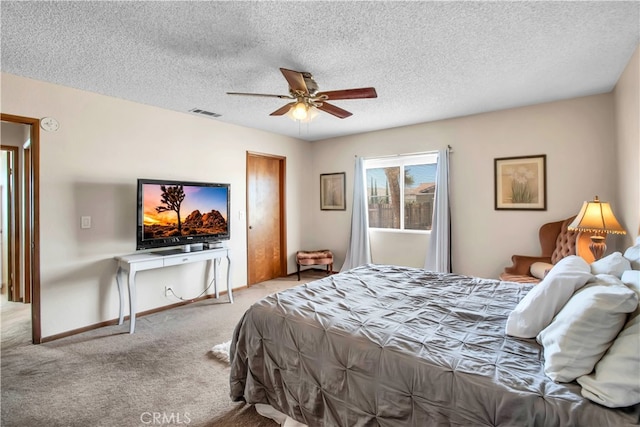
(439, 253)
(358, 252)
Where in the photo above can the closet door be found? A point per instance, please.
(266, 225)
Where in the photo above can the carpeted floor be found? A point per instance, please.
(164, 374)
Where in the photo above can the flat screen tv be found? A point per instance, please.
(181, 213)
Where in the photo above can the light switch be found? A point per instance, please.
(85, 222)
(241, 215)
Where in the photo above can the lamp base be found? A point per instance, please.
(598, 246)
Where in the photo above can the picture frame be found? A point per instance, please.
(332, 191)
(521, 183)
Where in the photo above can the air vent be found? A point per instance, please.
(204, 112)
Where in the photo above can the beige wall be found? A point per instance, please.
(574, 135)
(90, 166)
(627, 113)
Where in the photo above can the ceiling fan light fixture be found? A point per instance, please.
(312, 113)
(300, 111)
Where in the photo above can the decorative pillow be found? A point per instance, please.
(585, 328)
(536, 310)
(540, 269)
(633, 255)
(614, 264)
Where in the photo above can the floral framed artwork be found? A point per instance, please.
(520, 183)
(332, 189)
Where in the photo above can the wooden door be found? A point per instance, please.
(266, 230)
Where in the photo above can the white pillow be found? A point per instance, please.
(540, 269)
(615, 381)
(614, 264)
(631, 278)
(633, 254)
(585, 328)
(536, 310)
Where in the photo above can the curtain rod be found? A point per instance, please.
(407, 154)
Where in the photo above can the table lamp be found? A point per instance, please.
(597, 218)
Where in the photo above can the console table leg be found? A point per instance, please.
(132, 302)
(229, 278)
(216, 262)
(119, 273)
(208, 277)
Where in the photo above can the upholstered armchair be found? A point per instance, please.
(556, 242)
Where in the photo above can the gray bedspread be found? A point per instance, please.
(397, 346)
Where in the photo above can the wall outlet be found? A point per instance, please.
(167, 291)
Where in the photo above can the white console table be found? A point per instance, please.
(129, 265)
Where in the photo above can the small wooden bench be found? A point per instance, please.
(319, 257)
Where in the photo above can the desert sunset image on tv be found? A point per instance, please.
(183, 210)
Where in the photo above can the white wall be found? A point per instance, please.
(627, 113)
(90, 166)
(576, 135)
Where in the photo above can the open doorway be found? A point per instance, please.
(12, 287)
(20, 292)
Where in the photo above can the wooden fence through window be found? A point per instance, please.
(417, 216)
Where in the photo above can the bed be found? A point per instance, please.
(398, 346)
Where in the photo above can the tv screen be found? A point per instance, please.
(175, 213)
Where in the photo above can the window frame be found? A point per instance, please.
(401, 161)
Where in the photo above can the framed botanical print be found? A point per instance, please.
(520, 183)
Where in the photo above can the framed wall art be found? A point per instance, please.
(520, 183)
(332, 189)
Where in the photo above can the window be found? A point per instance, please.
(400, 191)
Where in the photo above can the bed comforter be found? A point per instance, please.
(398, 346)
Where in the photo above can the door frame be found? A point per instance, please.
(32, 249)
(282, 181)
(26, 249)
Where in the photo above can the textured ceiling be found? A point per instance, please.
(427, 60)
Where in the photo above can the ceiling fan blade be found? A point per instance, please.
(295, 80)
(266, 95)
(283, 110)
(364, 92)
(336, 111)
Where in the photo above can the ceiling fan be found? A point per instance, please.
(303, 90)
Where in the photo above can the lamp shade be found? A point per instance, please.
(596, 217)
